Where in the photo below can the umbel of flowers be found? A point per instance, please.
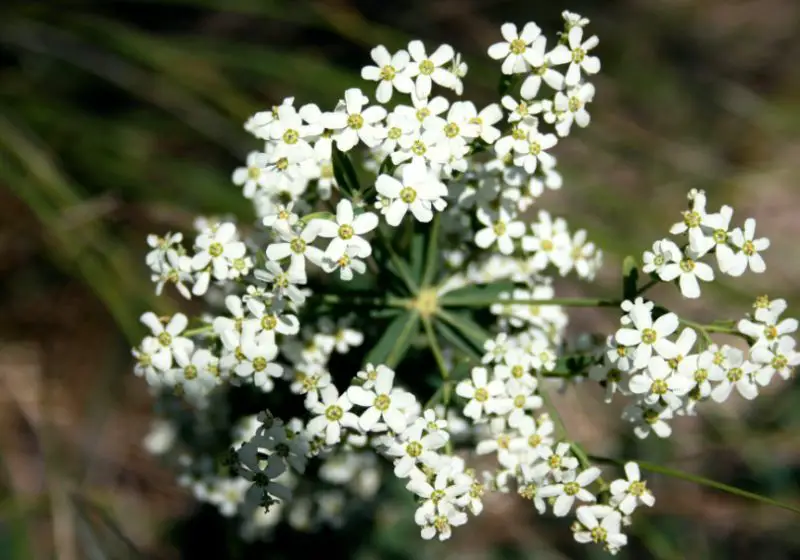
(394, 306)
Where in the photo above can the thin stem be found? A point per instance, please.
(437, 354)
(674, 473)
(647, 286)
(356, 299)
(564, 302)
(198, 330)
(705, 329)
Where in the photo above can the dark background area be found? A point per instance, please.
(120, 118)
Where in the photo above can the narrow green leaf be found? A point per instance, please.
(387, 166)
(395, 341)
(344, 172)
(630, 278)
(471, 330)
(457, 340)
(432, 257)
(417, 256)
(505, 83)
(397, 265)
(476, 292)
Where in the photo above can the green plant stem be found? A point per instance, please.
(674, 473)
(198, 330)
(564, 302)
(705, 329)
(647, 286)
(363, 300)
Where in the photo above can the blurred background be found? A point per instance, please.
(119, 118)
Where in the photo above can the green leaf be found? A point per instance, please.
(387, 166)
(432, 257)
(630, 278)
(396, 265)
(464, 324)
(417, 256)
(457, 340)
(396, 340)
(505, 84)
(476, 292)
(344, 172)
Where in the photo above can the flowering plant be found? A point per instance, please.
(396, 235)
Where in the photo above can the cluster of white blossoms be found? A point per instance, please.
(393, 312)
(667, 365)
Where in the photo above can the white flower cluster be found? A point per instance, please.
(336, 193)
(667, 369)
(736, 249)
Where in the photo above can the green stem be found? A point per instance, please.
(705, 329)
(198, 330)
(564, 302)
(356, 299)
(701, 481)
(647, 286)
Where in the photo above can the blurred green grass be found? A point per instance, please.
(118, 118)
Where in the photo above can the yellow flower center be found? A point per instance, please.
(481, 395)
(346, 231)
(408, 195)
(414, 449)
(388, 73)
(382, 402)
(517, 46)
(215, 249)
(260, 363)
(298, 245)
(334, 413)
(291, 136)
(649, 336)
(426, 67)
(355, 121)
